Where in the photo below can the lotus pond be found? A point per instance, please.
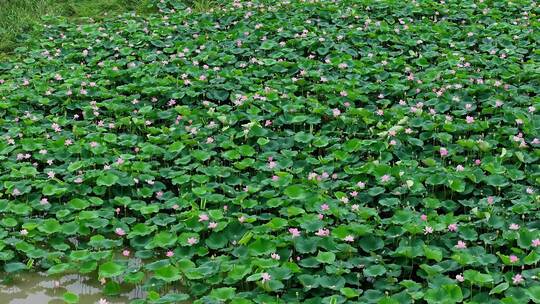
(332, 152)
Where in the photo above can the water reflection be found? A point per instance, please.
(39, 288)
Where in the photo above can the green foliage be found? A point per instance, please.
(19, 17)
(279, 152)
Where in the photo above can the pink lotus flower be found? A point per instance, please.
(294, 231)
(513, 258)
(275, 178)
(275, 256)
(24, 232)
(44, 201)
(212, 225)
(125, 253)
(517, 279)
(349, 238)
(461, 245)
(266, 277)
(535, 242)
(460, 278)
(428, 230)
(56, 127)
(336, 112)
(490, 200)
(385, 178)
(169, 254)
(192, 241)
(443, 152)
(469, 119)
(423, 217)
(102, 301)
(452, 227)
(361, 185)
(203, 217)
(322, 232)
(120, 231)
(514, 226)
(325, 207)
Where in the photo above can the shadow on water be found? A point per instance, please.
(39, 288)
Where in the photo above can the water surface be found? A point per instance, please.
(38, 288)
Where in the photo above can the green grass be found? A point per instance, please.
(17, 17)
(202, 5)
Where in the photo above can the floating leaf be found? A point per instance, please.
(110, 269)
(107, 179)
(167, 273)
(70, 297)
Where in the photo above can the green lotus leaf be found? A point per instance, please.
(110, 269)
(296, 192)
(70, 297)
(167, 274)
(50, 226)
(14, 267)
(107, 179)
(326, 257)
(374, 270)
(78, 204)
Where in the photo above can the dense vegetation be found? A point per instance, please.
(280, 152)
(18, 17)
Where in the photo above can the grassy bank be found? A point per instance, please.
(17, 17)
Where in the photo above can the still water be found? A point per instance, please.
(38, 288)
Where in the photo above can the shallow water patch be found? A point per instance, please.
(35, 287)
